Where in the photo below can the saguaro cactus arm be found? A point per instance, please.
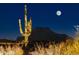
(29, 26)
(20, 27)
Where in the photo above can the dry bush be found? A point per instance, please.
(70, 47)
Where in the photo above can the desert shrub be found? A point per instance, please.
(69, 47)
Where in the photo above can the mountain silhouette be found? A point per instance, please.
(7, 41)
(46, 34)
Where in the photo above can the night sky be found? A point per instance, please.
(43, 15)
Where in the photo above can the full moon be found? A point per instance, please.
(58, 13)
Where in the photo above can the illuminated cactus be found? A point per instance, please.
(77, 29)
(77, 32)
(27, 28)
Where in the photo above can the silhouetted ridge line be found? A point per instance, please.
(45, 34)
(7, 40)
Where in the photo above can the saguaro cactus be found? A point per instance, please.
(27, 28)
